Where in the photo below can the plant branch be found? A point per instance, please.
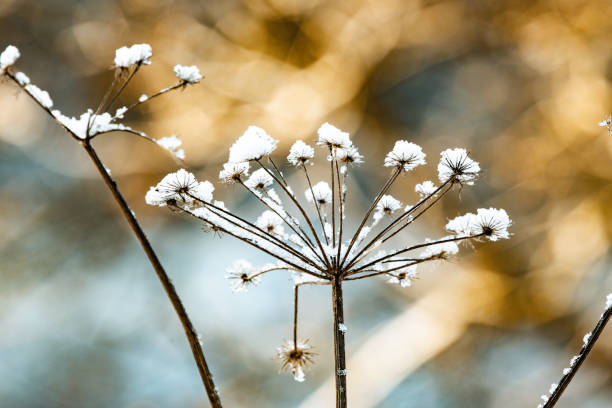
(190, 331)
(581, 356)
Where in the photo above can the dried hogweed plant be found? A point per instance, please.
(308, 236)
(94, 124)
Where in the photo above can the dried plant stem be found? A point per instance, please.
(190, 332)
(582, 355)
(339, 348)
(316, 204)
(295, 315)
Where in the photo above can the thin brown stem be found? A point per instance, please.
(280, 174)
(339, 347)
(340, 212)
(295, 316)
(383, 190)
(333, 207)
(181, 84)
(316, 203)
(301, 209)
(190, 331)
(581, 356)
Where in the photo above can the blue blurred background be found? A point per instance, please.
(521, 84)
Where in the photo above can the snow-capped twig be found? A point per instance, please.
(588, 342)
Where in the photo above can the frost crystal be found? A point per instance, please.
(190, 74)
(9, 56)
(300, 153)
(331, 136)
(136, 54)
(587, 337)
(609, 301)
(456, 164)
(342, 328)
(254, 144)
(405, 155)
(173, 144)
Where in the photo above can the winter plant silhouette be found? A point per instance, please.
(316, 247)
(90, 125)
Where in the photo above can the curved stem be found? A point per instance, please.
(190, 331)
(339, 348)
(582, 355)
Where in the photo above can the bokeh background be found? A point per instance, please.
(521, 84)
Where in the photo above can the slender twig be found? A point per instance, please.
(333, 207)
(340, 212)
(316, 204)
(579, 359)
(300, 208)
(383, 190)
(339, 347)
(295, 316)
(190, 331)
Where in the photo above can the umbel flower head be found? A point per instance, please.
(309, 235)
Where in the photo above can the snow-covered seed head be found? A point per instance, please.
(492, 223)
(179, 188)
(405, 155)
(9, 56)
(189, 75)
(349, 155)
(300, 153)
(456, 165)
(607, 123)
(425, 188)
(388, 205)
(295, 359)
(443, 250)
(259, 180)
(136, 54)
(271, 223)
(240, 275)
(461, 225)
(234, 172)
(321, 192)
(254, 144)
(404, 276)
(171, 143)
(331, 136)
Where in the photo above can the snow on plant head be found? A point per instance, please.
(234, 172)
(137, 54)
(295, 358)
(270, 222)
(492, 223)
(607, 123)
(179, 187)
(456, 165)
(9, 56)
(240, 274)
(321, 192)
(405, 155)
(331, 136)
(172, 144)
(259, 180)
(300, 154)
(190, 74)
(403, 277)
(346, 155)
(314, 242)
(425, 188)
(254, 144)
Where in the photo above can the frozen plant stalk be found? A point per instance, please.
(92, 124)
(308, 237)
